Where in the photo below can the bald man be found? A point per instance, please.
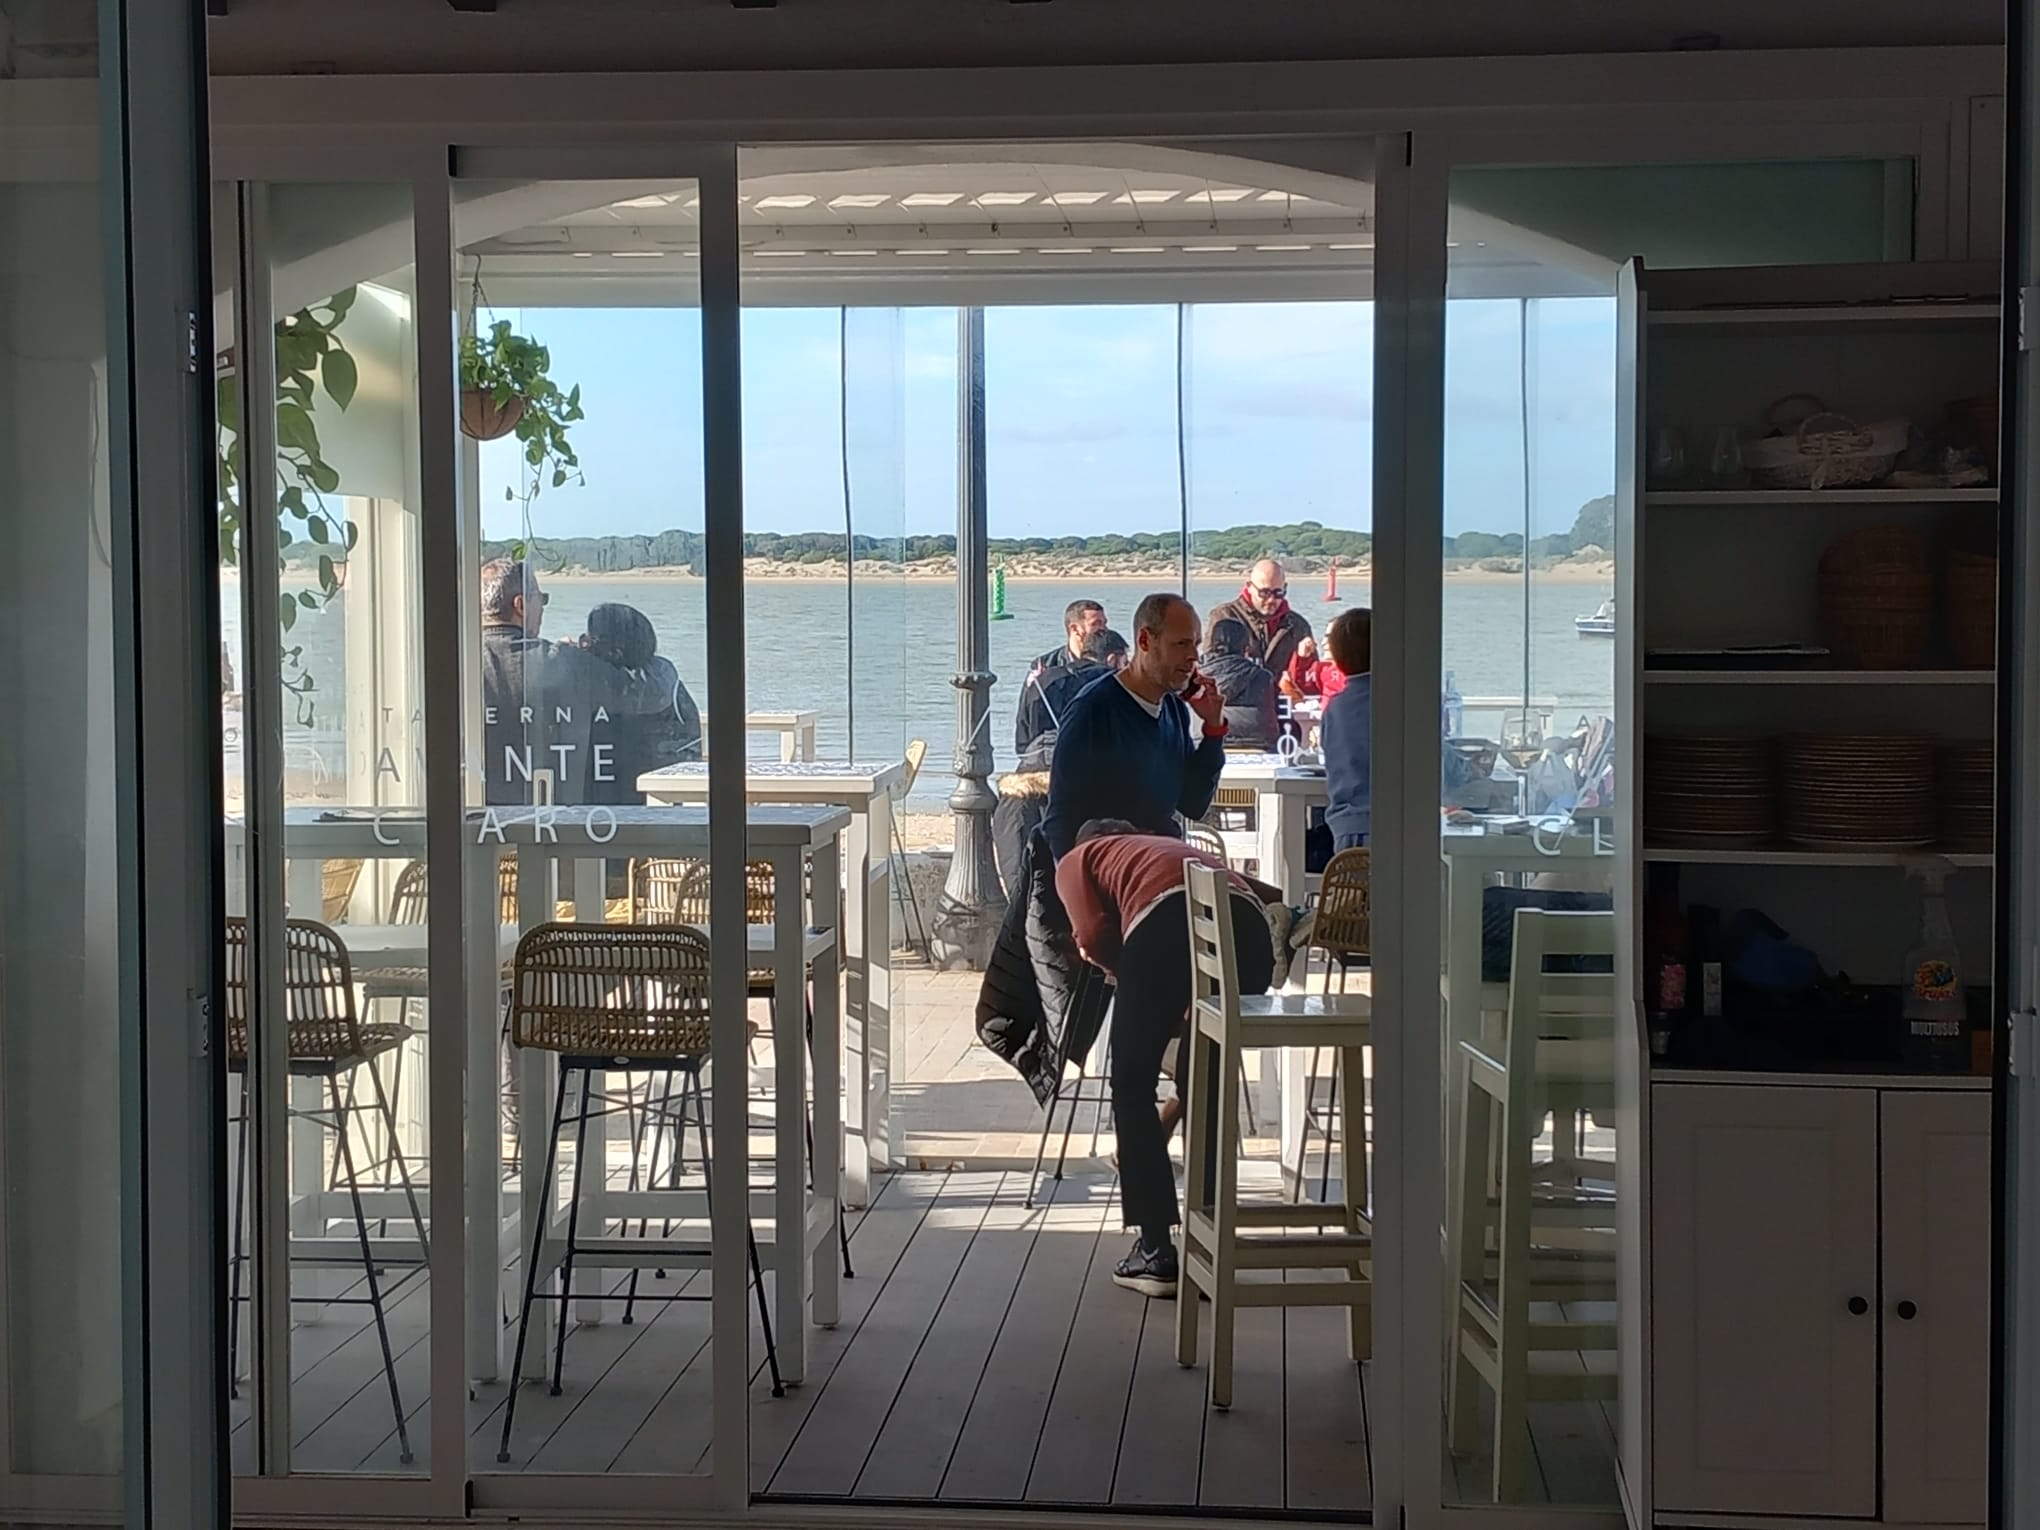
(1273, 630)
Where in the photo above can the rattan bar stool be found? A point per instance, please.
(633, 998)
(327, 1041)
(1344, 935)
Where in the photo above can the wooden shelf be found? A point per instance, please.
(1840, 1078)
(1720, 498)
(1699, 856)
(1861, 315)
(1820, 677)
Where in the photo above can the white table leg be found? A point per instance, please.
(828, 1081)
(1463, 884)
(807, 740)
(537, 1079)
(483, 1169)
(868, 989)
(304, 898)
(591, 906)
(789, 1113)
(789, 745)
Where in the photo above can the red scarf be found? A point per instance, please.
(1271, 620)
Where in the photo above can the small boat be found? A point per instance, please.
(1600, 624)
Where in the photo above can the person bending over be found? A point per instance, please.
(1347, 731)
(1144, 744)
(1123, 890)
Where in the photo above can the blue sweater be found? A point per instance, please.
(1347, 737)
(1112, 760)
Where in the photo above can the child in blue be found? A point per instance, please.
(1346, 735)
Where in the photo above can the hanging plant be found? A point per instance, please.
(310, 359)
(506, 388)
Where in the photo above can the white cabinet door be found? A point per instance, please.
(1936, 1322)
(1764, 1300)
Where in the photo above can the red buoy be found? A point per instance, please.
(1332, 582)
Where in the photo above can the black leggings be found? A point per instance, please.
(1151, 1010)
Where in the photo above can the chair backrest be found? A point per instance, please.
(336, 888)
(629, 992)
(917, 755)
(1570, 1006)
(1234, 797)
(407, 903)
(1345, 904)
(318, 991)
(506, 888)
(1201, 836)
(674, 890)
(1214, 973)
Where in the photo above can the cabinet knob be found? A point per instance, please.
(1858, 1306)
(1907, 1311)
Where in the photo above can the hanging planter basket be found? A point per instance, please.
(483, 419)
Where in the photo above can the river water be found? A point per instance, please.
(905, 645)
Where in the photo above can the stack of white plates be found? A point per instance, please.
(1709, 790)
(1860, 791)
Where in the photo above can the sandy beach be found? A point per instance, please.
(1591, 568)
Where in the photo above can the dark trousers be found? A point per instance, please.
(1151, 1009)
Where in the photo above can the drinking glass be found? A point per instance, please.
(1667, 457)
(1724, 459)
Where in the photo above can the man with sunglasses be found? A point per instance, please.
(544, 704)
(1273, 629)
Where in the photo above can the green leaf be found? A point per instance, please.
(308, 600)
(325, 479)
(328, 580)
(287, 615)
(292, 500)
(227, 402)
(339, 305)
(317, 527)
(353, 535)
(340, 376)
(283, 536)
(295, 353)
(559, 477)
(294, 429)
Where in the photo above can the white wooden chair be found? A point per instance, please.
(1532, 1236)
(1222, 1239)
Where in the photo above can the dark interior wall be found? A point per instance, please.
(430, 36)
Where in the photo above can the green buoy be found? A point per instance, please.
(999, 611)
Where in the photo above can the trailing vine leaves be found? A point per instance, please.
(506, 366)
(310, 359)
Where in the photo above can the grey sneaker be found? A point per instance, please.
(1151, 1274)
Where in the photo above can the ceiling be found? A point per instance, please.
(430, 36)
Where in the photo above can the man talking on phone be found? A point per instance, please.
(1142, 745)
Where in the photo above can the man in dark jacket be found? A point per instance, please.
(1273, 630)
(1144, 744)
(541, 701)
(1081, 618)
(1247, 689)
(1044, 702)
(628, 745)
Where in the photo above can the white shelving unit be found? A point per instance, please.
(1704, 568)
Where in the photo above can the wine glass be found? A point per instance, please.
(1667, 457)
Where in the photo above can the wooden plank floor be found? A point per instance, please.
(984, 1356)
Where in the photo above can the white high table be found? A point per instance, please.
(865, 787)
(803, 1238)
(796, 730)
(803, 1234)
(1284, 794)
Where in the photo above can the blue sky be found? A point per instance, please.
(1080, 410)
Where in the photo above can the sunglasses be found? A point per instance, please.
(1272, 591)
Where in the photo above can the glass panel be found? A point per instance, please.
(60, 889)
(1095, 334)
(582, 498)
(341, 616)
(1770, 212)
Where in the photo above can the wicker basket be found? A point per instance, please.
(1877, 598)
(1972, 609)
(1825, 451)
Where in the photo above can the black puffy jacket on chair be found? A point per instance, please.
(1040, 1002)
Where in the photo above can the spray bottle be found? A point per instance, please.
(1935, 1008)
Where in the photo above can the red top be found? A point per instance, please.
(1316, 677)
(1106, 884)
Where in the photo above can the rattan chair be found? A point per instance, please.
(1344, 934)
(327, 1041)
(674, 890)
(1201, 836)
(627, 997)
